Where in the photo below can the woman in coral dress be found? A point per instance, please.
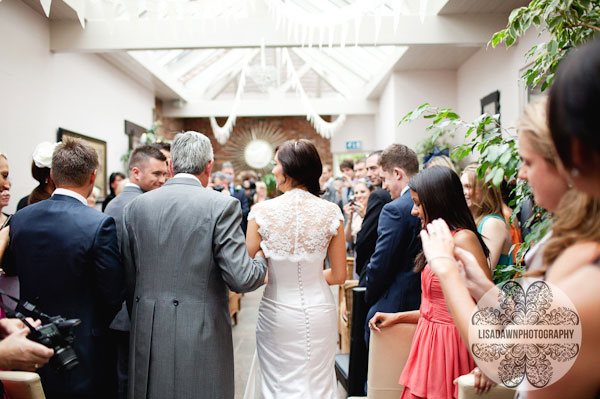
(438, 355)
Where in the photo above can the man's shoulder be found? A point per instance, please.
(380, 195)
(119, 202)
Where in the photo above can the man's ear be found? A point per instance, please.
(92, 178)
(209, 167)
(398, 173)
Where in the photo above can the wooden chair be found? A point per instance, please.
(467, 391)
(345, 314)
(388, 352)
(235, 304)
(22, 385)
(349, 268)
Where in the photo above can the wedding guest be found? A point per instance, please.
(113, 182)
(93, 197)
(367, 236)
(485, 203)
(437, 344)
(347, 169)
(441, 160)
(4, 189)
(147, 171)
(67, 259)
(237, 192)
(261, 192)
(355, 210)
(360, 168)
(40, 170)
(391, 284)
(165, 148)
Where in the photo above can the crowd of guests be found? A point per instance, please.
(425, 243)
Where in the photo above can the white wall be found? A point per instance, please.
(356, 127)
(491, 69)
(404, 92)
(41, 92)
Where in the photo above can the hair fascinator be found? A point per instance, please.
(42, 155)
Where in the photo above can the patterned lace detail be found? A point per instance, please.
(296, 226)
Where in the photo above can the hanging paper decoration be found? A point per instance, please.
(223, 133)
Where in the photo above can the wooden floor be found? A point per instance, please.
(244, 341)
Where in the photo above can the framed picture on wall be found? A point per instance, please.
(100, 147)
(490, 104)
(134, 132)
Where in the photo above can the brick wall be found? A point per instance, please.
(292, 127)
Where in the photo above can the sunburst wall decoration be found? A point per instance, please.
(252, 147)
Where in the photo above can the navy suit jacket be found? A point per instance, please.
(367, 236)
(67, 258)
(240, 195)
(392, 285)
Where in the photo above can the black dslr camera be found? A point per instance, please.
(56, 333)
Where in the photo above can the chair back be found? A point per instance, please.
(388, 352)
(22, 385)
(467, 391)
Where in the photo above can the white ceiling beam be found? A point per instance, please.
(267, 107)
(160, 73)
(219, 84)
(68, 36)
(379, 78)
(288, 83)
(331, 75)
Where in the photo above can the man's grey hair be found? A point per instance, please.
(227, 165)
(191, 152)
(218, 175)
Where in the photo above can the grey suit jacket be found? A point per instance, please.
(115, 209)
(183, 247)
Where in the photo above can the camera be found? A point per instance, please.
(56, 333)
(351, 199)
(218, 188)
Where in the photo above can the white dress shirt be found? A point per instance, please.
(72, 194)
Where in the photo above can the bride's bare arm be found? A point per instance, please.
(337, 258)
(253, 239)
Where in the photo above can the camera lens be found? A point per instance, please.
(64, 359)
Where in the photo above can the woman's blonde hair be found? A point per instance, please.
(533, 125)
(485, 196)
(441, 160)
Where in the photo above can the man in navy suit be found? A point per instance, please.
(225, 178)
(147, 171)
(67, 258)
(391, 283)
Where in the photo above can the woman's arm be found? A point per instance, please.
(493, 233)
(4, 237)
(468, 241)
(348, 228)
(253, 239)
(337, 258)
(382, 320)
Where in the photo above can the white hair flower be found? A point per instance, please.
(42, 155)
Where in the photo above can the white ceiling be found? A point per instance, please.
(441, 36)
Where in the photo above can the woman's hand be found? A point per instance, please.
(383, 320)
(438, 246)
(348, 209)
(360, 209)
(482, 383)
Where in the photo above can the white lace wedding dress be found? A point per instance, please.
(296, 329)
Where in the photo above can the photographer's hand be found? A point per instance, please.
(9, 326)
(19, 353)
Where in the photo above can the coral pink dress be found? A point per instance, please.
(437, 355)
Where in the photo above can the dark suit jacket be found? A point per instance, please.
(115, 209)
(392, 285)
(367, 236)
(240, 195)
(67, 259)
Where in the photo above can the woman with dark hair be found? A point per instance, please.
(114, 180)
(40, 170)
(438, 355)
(296, 331)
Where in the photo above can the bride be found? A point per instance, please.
(296, 329)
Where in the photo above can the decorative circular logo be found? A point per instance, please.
(258, 153)
(525, 334)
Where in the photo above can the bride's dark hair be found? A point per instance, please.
(300, 162)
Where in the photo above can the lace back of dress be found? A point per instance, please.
(296, 225)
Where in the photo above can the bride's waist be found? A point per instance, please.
(315, 295)
(298, 304)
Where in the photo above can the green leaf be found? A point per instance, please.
(510, 41)
(536, 21)
(498, 177)
(497, 38)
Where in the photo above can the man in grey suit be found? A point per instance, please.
(183, 247)
(147, 171)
